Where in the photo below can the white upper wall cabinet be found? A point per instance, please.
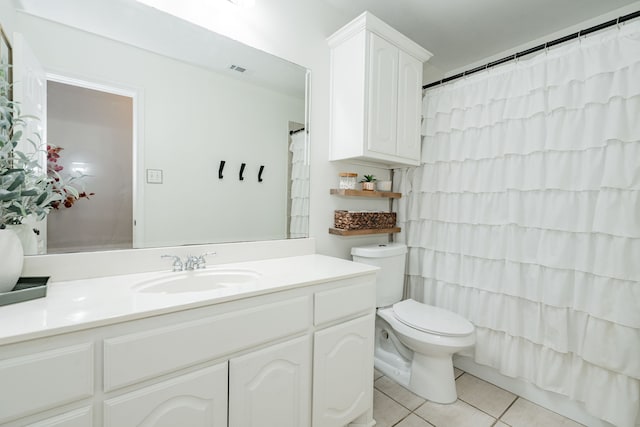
(376, 94)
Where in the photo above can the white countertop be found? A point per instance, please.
(81, 304)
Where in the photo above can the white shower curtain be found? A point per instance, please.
(524, 217)
(299, 215)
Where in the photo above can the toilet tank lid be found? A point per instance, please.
(379, 251)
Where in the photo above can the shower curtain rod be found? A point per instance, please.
(537, 48)
(291, 132)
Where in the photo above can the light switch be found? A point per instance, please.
(154, 176)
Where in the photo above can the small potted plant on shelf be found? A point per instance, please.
(368, 183)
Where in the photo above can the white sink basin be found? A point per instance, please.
(196, 281)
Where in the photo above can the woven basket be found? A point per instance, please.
(349, 220)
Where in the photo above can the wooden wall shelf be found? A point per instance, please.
(340, 232)
(362, 193)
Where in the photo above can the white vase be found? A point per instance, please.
(11, 259)
(27, 237)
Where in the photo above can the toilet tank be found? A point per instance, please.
(390, 258)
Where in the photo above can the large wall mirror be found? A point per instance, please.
(182, 135)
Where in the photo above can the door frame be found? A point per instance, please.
(137, 168)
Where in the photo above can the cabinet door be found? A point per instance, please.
(271, 387)
(197, 399)
(409, 106)
(383, 96)
(343, 372)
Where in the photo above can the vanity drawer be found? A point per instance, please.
(45, 380)
(136, 357)
(355, 296)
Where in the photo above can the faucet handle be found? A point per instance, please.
(201, 261)
(177, 262)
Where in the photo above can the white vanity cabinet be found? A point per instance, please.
(376, 94)
(263, 360)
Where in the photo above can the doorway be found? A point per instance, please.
(93, 131)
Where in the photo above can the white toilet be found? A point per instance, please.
(414, 342)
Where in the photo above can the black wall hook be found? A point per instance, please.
(242, 171)
(222, 162)
(260, 173)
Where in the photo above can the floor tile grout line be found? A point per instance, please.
(399, 403)
(481, 410)
(508, 407)
(422, 418)
(404, 418)
(498, 418)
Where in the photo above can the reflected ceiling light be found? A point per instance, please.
(80, 168)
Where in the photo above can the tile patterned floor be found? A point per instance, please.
(479, 404)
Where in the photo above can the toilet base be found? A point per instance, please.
(432, 378)
(429, 377)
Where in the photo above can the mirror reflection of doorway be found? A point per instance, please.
(95, 131)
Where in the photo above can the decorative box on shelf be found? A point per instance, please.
(26, 289)
(363, 220)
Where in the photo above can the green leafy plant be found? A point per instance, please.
(26, 190)
(368, 178)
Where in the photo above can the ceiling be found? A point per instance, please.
(457, 32)
(461, 32)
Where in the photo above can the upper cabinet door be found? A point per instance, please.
(376, 94)
(383, 95)
(409, 106)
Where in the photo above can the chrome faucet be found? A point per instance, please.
(177, 263)
(190, 263)
(201, 261)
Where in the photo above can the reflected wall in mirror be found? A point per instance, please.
(183, 99)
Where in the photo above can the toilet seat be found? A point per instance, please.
(430, 319)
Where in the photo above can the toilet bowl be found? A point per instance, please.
(431, 336)
(414, 342)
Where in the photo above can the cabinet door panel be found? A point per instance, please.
(409, 106)
(271, 387)
(343, 372)
(78, 418)
(45, 380)
(383, 95)
(197, 399)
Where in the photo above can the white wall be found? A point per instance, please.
(193, 119)
(7, 18)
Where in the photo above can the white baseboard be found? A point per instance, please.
(547, 399)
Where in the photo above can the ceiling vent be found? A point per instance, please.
(238, 68)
